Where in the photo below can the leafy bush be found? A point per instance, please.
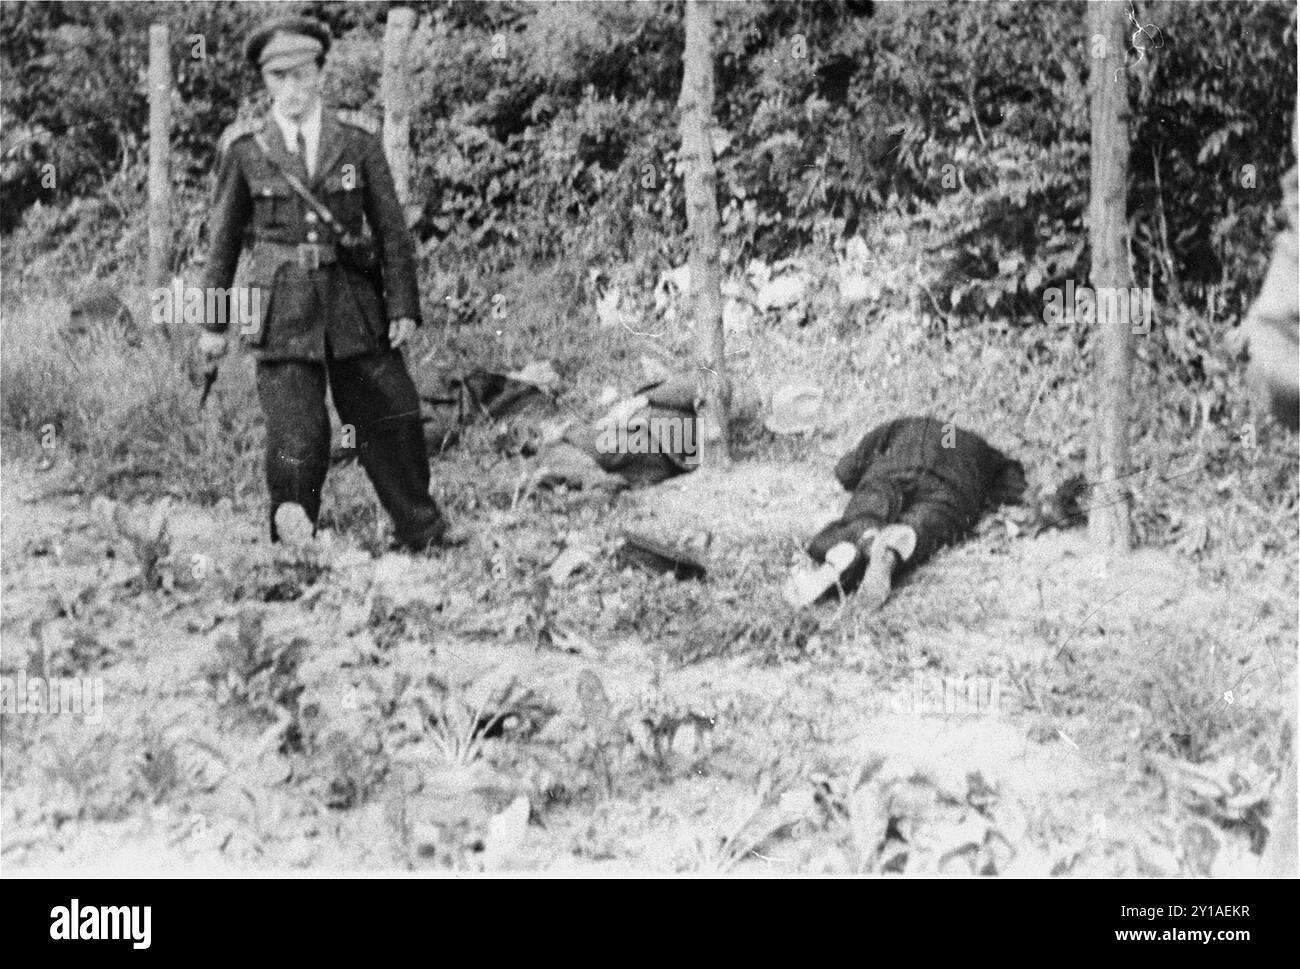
(537, 124)
(951, 138)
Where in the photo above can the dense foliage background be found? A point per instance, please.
(951, 136)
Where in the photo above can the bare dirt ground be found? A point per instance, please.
(488, 709)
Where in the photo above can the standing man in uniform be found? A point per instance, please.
(336, 305)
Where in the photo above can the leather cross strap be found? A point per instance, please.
(302, 190)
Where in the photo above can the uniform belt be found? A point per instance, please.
(308, 255)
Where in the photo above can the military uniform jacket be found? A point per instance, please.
(254, 207)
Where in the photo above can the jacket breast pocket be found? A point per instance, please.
(274, 204)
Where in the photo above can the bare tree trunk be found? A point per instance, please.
(696, 106)
(395, 90)
(160, 117)
(1108, 516)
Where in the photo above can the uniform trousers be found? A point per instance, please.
(375, 396)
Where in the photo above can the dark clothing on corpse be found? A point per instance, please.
(934, 477)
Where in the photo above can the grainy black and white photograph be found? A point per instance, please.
(682, 438)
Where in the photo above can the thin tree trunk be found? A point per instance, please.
(1172, 289)
(160, 116)
(696, 106)
(1108, 517)
(395, 90)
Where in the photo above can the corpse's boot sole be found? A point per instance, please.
(807, 586)
(878, 581)
(894, 544)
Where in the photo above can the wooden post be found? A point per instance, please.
(700, 176)
(395, 90)
(1108, 516)
(160, 123)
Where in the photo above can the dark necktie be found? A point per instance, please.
(302, 156)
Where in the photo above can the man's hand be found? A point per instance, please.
(399, 331)
(212, 346)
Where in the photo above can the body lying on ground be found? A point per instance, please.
(450, 401)
(649, 437)
(918, 484)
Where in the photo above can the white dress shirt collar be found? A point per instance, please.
(310, 133)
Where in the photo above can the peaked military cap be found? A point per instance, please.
(287, 41)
